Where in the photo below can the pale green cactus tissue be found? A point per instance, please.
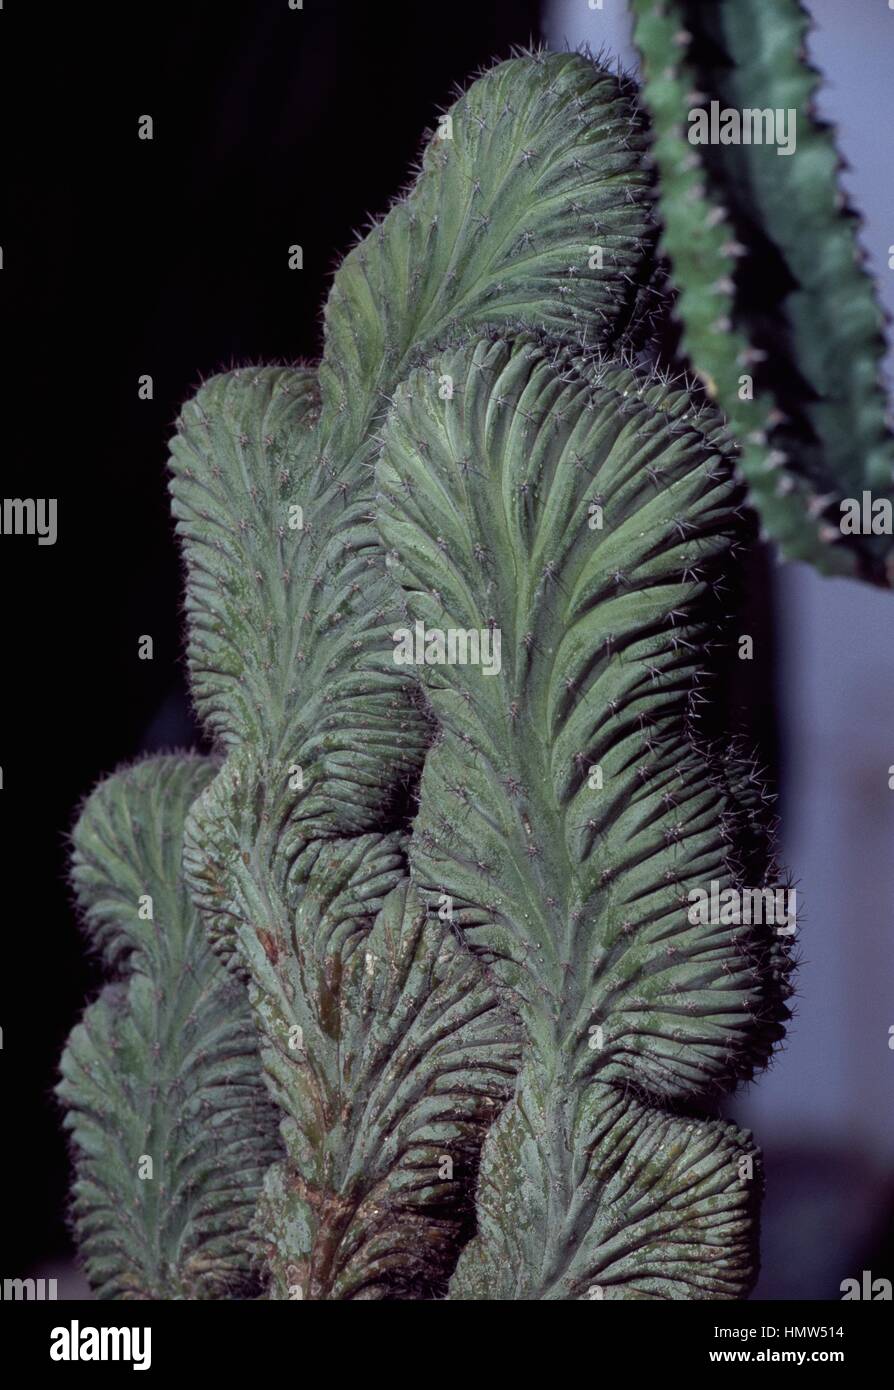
(483, 1017)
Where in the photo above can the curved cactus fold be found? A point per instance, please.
(778, 312)
(453, 897)
(566, 809)
(535, 167)
(171, 1127)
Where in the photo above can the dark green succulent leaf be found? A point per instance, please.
(542, 164)
(164, 1065)
(770, 274)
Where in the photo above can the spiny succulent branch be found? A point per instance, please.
(535, 168)
(566, 809)
(383, 1045)
(482, 1027)
(772, 289)
(171, 1127)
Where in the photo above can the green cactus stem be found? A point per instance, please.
(778, 312)
(171, 1128)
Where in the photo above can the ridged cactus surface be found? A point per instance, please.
(171, 1128)
(779, 314)
(573, 886)
(446, 900)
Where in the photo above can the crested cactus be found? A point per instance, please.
(450, 597)
(778, 312)
(171, 1127)
(566, 807)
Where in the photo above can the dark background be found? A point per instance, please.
(169, 257)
